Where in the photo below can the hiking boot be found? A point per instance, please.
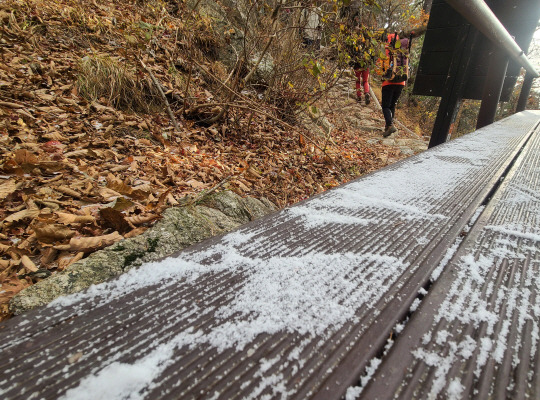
(368, 99)
(389, 130)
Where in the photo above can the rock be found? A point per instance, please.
(179, 228)
(416, 145)
(371, 128)
(406, 151)
(264, 70)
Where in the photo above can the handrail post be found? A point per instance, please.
(525, 91)
(492, 88)
(453, 88)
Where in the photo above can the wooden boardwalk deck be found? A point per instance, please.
(301, 304)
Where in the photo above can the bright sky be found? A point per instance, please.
(534, 50)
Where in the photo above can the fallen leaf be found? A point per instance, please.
(109, 194)
(119, 186)
(28, 264)
(18, 216)
(50, 233)
(196, 184)
(121, 204)
(88, 244)
(114, 219)
(136, 232)
(8, 104)
(67, 219)
(76, 153)
(48, 255)
(7, 188)
(141, 219)
(68, 191)
(72, 359)
(24, 157)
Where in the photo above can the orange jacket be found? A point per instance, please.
(388, 41)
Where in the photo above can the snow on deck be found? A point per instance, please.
(477, 331)
(291, 306)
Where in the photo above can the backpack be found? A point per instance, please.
(398, 60)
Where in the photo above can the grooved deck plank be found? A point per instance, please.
(476, 333)
(290, 306)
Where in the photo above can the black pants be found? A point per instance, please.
(390, 96)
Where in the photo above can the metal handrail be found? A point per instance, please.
(480, 15)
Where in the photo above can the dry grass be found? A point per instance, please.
(102, 78)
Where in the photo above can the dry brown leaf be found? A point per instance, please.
(48, 255)
(72, 359)
(76, 153)
(27, 243)
(241, 185)
(28, 264)
(114, 219)
(122, 204)
(8, 104)
(140, 194)
(172, 201)
(67, 219)
(99, 107)
(196, 184)
(65, 100)
(8, 187)
(45, 96)
(120, 168)
(65, 260)
(141, 219)
(4, 248)
(23, 157)
(11, 288)
(135, 232)
(18, 216)
(50, 233)
(50, 109)
(109, 194)
(55, 136)
(89, 244)
(119, 186)
(76, 258)
(68, 191)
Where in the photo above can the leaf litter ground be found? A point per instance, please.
(78, 175)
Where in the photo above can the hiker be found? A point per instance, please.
(361, 63)
(311, 37)
(395, 75)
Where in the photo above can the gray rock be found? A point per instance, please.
(416, 145)
(265, 69)
(406, 151)
(179, 228)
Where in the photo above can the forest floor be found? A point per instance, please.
(78, 175)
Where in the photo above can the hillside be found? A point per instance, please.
(110, 112)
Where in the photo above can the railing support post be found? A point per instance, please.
(453, 88)
(525, 91)
(492, 88)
